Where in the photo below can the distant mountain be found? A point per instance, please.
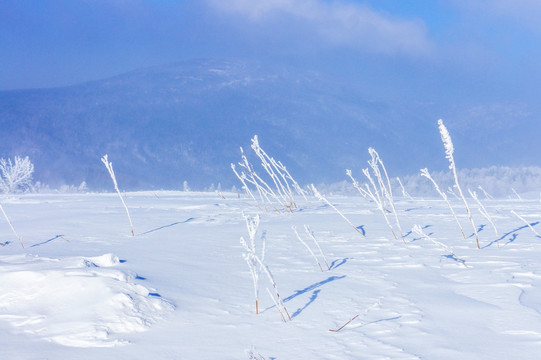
(161, 126)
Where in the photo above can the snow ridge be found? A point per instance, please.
(76, 301)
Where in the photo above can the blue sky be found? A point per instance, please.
(471, 51)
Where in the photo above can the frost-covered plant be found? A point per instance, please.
(379, 190)
(386, 189)
(109, 166)
(452, 192)
(279, 175)
(526, 222)
(419, 231)
(11, 226)
(322, 198)
(483, 210)
(280, 194)
(426, 174)
(487, 195)
(404, 192)
(16, 175)
(277, 299)
(256, 264)
(250, 256)
(516, 194)
(449, 150)
(311, 235)
(372, 194)
(253, 355)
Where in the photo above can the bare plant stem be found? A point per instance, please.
(311, 234)
(11, 226)
(343, 326)
(109, 166)
(449, 149)
(426, 174)
(307, 247)
(322, 198)
(526, 222)
(483, 210)
(417, 229)
(277, 306)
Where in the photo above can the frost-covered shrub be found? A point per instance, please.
(16, 175)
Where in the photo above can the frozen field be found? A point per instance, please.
(84, 288)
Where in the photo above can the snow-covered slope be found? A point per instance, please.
(84, 288)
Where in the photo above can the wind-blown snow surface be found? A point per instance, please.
(84, 288)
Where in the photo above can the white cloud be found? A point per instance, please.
(338, 22)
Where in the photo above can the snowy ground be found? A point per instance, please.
(84, 288)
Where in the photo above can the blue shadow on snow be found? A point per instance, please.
(361, 227)
(166, 226)
(48, 241)
(335, 264)
(310, 301)
(512, 232)
(313, 286)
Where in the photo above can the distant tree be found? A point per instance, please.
(16, 175)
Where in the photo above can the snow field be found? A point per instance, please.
(83, 287)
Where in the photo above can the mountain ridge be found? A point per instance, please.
(180, 122)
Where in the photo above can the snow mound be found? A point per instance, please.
(75, 301)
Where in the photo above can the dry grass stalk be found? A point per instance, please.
(404, 192)
(251, 258)
(109, 166)
(307, 247)
(372, 195)
(343, 326)
(516, 194)
(449, 150)
(278, 300)
(277, 305)
(387, 191)
(322, 198)
(365, 312)
(312, 236)
(419, 231)
(483, 210)
(526, 222)
(11, 226)
(426, 174)
(282, 191)
(487, 195)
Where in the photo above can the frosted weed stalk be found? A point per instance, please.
(322, 198)
(483, 210)
(449, 150)
(419, 231)
(379, 190)
(526, 222)
(250, 256)
(426, 174)
(109, 166)
(279, 196)
(256, 265)
(311, 235)
(11, 226)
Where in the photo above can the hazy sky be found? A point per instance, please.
(470, 50)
